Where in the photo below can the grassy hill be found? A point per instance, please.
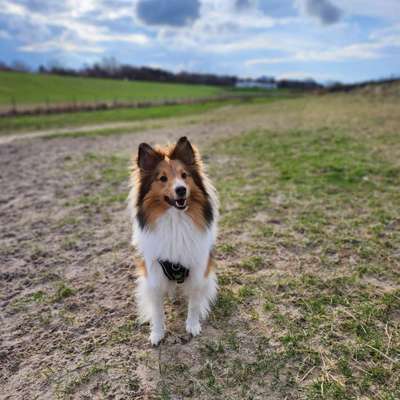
(27, 88)
(14, 124)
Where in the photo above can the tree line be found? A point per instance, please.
(110, 68)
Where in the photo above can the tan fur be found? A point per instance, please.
(154, 203)
(141, 269)
(210, 266)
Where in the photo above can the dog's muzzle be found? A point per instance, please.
(180, 203)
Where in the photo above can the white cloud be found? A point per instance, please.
(387, 9)
(60, 45)
(294, 75)
(220, 28)
(217, 35)
(301, 75)
(95, 34)
(357, 51)
(389, 36)
(4, 35)
(7, 7)
(77, 33)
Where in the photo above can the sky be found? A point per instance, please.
(339, 40)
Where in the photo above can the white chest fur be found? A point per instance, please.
(175, 238)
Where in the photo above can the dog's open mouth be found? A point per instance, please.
(180, 204)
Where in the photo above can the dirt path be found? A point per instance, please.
(144, 125)
(67, 272)
(48, 132)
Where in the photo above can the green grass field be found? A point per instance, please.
(62, 120)
(25, 88)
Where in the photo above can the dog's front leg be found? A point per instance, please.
(194, 312)
(201, 294)
(157, 323)
(150, 301)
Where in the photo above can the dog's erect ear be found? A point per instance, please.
(183, 151)
(148, 158)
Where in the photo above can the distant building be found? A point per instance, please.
(256, 84)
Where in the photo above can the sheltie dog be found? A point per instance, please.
(174, 209)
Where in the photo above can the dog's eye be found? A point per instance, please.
(184, 175)
(163, 178)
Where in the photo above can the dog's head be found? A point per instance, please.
(171, 178)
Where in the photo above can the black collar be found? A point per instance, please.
(174, 272)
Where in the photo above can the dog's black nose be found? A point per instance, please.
(180, 191)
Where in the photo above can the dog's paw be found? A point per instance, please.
(156, 337)
(193, 327)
